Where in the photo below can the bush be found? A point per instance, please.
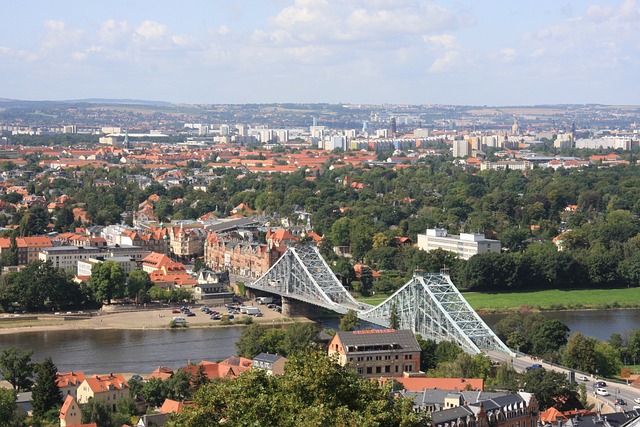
(173, 325)
(245, 320)
(225, 321)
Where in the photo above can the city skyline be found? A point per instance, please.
(370, 52)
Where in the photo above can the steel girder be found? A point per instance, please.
(302, 274)
(429, 304)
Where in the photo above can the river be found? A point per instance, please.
(141, 351)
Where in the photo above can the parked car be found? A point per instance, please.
(190, 314)
(534, 366)
(621, 402)
(600, 384)
(637, 400)
(175, 311)
(601, 391)
(583, 378)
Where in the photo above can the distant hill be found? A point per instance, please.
(119, 101)
(86, 101)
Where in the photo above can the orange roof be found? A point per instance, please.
(420, 383)
(161, 372)
(100, 384)
(171, 407)
(66, 379)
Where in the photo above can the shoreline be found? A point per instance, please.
(134, 320)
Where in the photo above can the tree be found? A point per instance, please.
(447, 351)
(394, 321)
(97, 411)
(549, 337)
(8, 406)
(298, 337)
(427, 353)
(349, 321)
(40, 284)
(138, 282)
(154, 392)
(607, 359)
(315, 391)
(249, 344)
(178, 387)
(551, 388)
(16, 367)
(580, 353)
(46, 394)
(107, 281)
(340, 232)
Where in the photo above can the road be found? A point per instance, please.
(616, 390)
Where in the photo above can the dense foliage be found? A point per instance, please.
(314, 391)
(256, 339)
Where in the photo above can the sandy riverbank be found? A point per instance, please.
(144, 319)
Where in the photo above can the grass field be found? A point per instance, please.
(555, 299)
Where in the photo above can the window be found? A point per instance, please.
(387, 369)
(378, 369)
(369, 370)
(360, 371)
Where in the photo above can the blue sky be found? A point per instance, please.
(489, 52)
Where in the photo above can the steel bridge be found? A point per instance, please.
(429, 304)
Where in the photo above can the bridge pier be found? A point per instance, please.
(292, 308)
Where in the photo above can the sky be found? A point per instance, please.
(461, 52)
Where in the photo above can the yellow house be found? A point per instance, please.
(109, 388)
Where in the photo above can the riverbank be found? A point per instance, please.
(134, 320)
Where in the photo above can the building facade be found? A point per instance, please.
(465, 245)
(110, 388)
(377, 353)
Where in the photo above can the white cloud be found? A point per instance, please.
(445, 63)
(508, 54)
(150, 30)
(445, 41)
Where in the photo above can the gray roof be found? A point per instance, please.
(230, 224)
(629, 418)
(266, 357)
(436, 397)
(489, 405)
(405, 339)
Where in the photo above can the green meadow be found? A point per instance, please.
(555, 299)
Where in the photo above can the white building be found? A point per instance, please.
(465, 245)
(128, 264)
(67, 257)
(461, 148)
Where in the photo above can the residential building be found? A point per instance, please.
(29, 248)
(521, 165)
(240, 253)
(70, 413)
(377, 353)
(465, 245)
(502, 411)
(187, 243)
(109, 388)
(272, 363)
(68, 382)
(212, 285)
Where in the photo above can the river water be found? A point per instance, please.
(141, 351)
